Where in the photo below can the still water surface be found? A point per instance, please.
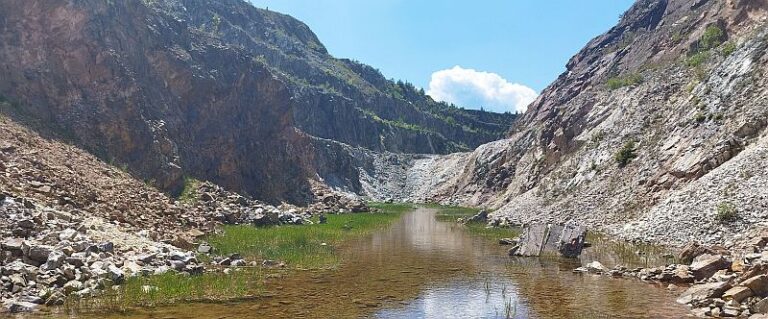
(423, 268)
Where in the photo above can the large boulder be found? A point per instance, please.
(760, 307)
(36, 254)
(567, 240)
(532, 240)
(705, 266)
(571, 240)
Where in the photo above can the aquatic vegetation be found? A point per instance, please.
(170, 288)
(619, 252)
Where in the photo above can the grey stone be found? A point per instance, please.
(26, 224)
(107, 247)
(704, 291)
(12, 244)
(480, 217)
(76, 261)
(596, 267)
(532, 240)
(507, 242)
(67, 234)
(116, 274)
(55, 260)
(177, 265)
(37, 253)
(571, 241)
(552, 241)
(568, 240)
(730, 312)
(204, 249)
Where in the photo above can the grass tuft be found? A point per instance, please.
(189, 193)
(171, 288)
(618, 82)
(626, 154)
(307, 246)
(726, 212)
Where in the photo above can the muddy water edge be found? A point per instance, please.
(424, 268)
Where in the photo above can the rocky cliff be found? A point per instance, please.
(219, 91)
(656, 131)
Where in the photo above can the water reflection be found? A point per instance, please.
(421, 268)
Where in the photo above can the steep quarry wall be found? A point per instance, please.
(656, 131)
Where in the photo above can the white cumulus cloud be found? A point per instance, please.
(475, 89)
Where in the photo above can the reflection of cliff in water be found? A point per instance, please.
(422, 268)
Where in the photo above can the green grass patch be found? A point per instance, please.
(729, 48)
(618, 82)
(698, 59)
(303, 246)
(713, 36)
(171, 288)
(189, 193)
(452, 213)
(492, 233)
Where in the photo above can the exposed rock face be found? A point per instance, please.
(220, 91)
(73, 225)
(655, 132)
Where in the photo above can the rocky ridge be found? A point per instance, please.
(655, 133)
(219, 91)
(73, 225)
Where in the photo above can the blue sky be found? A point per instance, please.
(501, 47)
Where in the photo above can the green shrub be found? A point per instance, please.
(189, 193)
(726, 212)
(677, 36)
(626, 154)
(700, 117)
(622, 81)
(729, 48)
(713, 37)
(697, 59)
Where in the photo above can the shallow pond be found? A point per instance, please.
(422, 268)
